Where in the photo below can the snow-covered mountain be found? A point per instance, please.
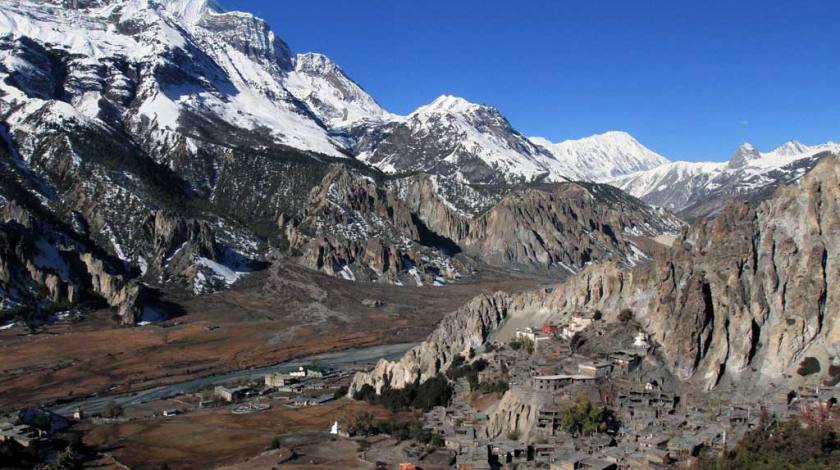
(174, 68)
(600, 157)
(171, 143)
(475, 143)
(328, 92)
(700, 189)
(454, 137)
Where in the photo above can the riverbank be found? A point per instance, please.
(338, 359)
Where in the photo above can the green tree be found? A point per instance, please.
(584, 418)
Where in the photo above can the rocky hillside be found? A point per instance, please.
(410, 230)
(744, 298)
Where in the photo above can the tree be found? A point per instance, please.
(65, 460)
(626, 315)
(341, 392)
(360, 422)
(435, 391)
(499, 387)
(584, 418)
(113, 410)
(784, 445)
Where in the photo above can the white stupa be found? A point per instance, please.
(334, 428)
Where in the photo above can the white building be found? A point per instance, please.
(577, 323)
(641, 340)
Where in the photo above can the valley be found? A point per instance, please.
(219, 252)
(241, 328)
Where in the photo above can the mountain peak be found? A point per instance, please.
(601, 157)
(791, 147)
(745, 153)
(616, 135)
(449, 104)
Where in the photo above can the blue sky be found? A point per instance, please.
(691, 80)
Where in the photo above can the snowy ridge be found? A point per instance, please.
(600, 157)
(337, 100)
(456, 138)
(197, 59)
(193, 58)
(453, 137)
(678, 185)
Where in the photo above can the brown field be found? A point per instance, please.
(211, 438)
(281, 313)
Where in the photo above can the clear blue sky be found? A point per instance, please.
(691, 80)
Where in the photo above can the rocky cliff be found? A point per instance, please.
(467, 327)
(370, 227)
(744, 298)
(42, 268)
(565, 226)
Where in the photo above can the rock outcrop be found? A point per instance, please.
(361, 228)
(745, 297)
(355, 228)
(517, 412)
(565, 226)
(41, 267)
(458, 332)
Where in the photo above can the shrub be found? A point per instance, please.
(810, 365)
(341, 392)
(780, 445)
(469, 371)
(498, 387)
(626, 315)
(113, 410)
(360, 423)
(523, 344)
(409, 430)
(65, 460)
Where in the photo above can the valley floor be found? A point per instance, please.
(282, 313)
(214, 437)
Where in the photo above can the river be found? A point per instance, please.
(96, 404)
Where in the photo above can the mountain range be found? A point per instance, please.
(172, 143)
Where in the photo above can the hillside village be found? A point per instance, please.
(588, 394)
